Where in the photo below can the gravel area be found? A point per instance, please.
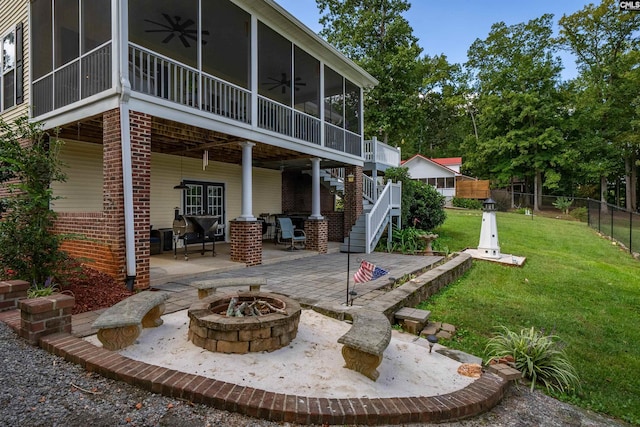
(39, 389)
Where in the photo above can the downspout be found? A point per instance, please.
(125, 143)
(127, 185)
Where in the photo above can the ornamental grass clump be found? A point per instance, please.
(539, 357)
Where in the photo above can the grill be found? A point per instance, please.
(195, 229)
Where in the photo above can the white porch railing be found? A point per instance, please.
(79, 79)
(342, 140)
(369, 188)
(389, 199)
(379, 152)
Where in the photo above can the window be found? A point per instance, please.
(11, 69)
(205, 198)
(8, 70)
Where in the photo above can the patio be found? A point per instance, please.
(166, 268)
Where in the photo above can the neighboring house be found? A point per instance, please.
(439, 173)
(233, 100)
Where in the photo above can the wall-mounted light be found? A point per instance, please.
(181, 186)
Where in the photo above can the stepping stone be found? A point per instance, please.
(412, 319)
(459, 356)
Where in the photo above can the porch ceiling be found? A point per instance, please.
(178, 139)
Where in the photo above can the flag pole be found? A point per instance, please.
(348, 264)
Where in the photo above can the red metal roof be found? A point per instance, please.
(449, 161)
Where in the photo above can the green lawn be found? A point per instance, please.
(574, 284)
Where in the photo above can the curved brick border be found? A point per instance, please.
(480, 396)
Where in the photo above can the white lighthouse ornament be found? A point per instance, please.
(489, 246)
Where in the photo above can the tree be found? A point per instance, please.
(375, 35)
(518, 104)
(604, 41)
(442, 120)
(28, 165)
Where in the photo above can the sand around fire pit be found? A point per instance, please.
(312, 365)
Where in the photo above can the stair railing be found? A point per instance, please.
(368, 188)
(390, 198)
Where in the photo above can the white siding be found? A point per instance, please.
(420, 168)
(13, 12)
(166, 173)
(82, 192)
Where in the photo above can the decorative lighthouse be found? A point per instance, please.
(489, 246)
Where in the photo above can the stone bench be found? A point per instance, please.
(120, 325)
(365, 342)
(209, 287)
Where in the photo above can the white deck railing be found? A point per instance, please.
(379, 152)
(389, 199)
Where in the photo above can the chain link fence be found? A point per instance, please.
(620, 224)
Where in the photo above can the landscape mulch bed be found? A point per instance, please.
(94, 290)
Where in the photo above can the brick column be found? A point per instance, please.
(11, 291)
(45, 316)
(113, 199)
(317, 232)
(246, 242)
(113, 205)
(352, 197)
(141, 172)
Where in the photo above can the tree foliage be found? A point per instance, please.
(375, 35)
(517, 102)
(28, 165)
(604, 41)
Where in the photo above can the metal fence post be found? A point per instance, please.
(631, 232)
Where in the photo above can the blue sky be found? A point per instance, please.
(451, 26)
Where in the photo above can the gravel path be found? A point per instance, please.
(38, 389)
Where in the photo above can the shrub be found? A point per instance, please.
(563, 203)
(580, 214)
(539, 357)
(28, 245)
(466, 203)
(422, 205)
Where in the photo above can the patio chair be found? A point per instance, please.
(289, 233)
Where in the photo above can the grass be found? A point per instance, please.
(574, 284)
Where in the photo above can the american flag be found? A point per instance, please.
(368, 271)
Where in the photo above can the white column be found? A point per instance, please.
(247, 183)
(315, 189)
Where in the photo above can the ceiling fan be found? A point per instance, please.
(174, 27)
(284, 83)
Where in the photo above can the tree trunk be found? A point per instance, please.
(631, 181)
(537, 191)
(603, 193)
(513, 199)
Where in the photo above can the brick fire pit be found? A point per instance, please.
(217, 332)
